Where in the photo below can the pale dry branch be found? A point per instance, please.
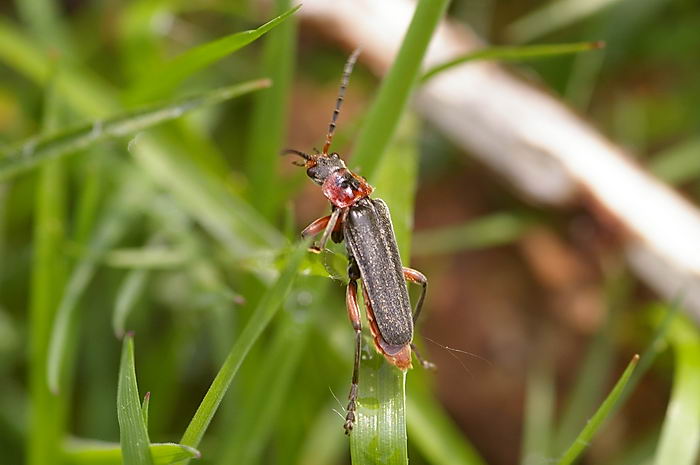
(533, 141)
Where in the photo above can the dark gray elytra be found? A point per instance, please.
(370, 239)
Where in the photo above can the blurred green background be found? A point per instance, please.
(177, 232)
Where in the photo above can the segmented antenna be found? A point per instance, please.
(341, 95)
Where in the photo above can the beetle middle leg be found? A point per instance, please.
(354, 315)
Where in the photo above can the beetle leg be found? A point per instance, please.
(417, 277)
(354, 315)
(326, 224)
(426, 364)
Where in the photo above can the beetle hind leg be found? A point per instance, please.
(417, 277)
(354, 315)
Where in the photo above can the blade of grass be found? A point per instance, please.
(380, 432)
(433, 432)
(114, 223)
(267, 130)
(133, 435)
(596, 421)
(539, 409)
(680, 433)
(271, 393)
(79, 86)
(553, 16)
(37, 150)
(266, 309)
(144, 408)
(678, 164)
(392, 98)
(170, 75)
(592, 378)
(487, 231)
(229, 219)
(127, 297)
(48, 413)
(97, 453)
(523, 53)
(44, 20)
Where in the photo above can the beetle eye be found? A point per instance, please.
(335, 155)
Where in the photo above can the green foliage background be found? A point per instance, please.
(148, 234)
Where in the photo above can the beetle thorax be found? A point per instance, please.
(344, 188)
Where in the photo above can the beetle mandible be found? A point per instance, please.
(365, 225)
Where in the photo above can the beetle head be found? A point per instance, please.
(320, 166)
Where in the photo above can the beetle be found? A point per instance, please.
(365, 225)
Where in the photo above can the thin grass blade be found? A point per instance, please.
(274, 385)
(680, 433)
(127, 297)
(80, 452)
(392, 98)
(487, 231)
(606, 408)
(267, 127)
(133, 435)
(432, 431)
(540, 403)
(523, 53)
(680, 163)
(113, 225)
(171, 74)
(144, 408)
(37, 150)
(261, 317)
(48, 415)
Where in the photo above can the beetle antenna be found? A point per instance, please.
(303, 155)
(341, 96)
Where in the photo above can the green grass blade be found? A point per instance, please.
(44, 19)
(127, 297)
(392, 98)
(540, 403)
(380, 432)
(47, 417)
(115, 222)
(266, 309)
(79, 87)
(267, 130)
(680, 433)
(35, 151)
(523, 53)
(99, 453)
(171, 74)
(592, 377)
(228, 218)
(605, 409)
(553, 16)
(436, 436)
(133, 435)
(271, 393)
(144, 408)
(678, 164)
(487, 231)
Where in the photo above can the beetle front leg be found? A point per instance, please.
(354, 315)
(327, 224)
